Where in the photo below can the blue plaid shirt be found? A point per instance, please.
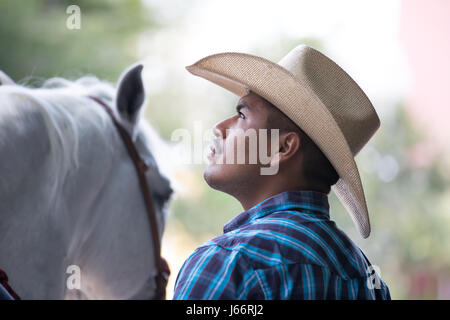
(286, 247)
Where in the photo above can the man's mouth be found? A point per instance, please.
(212, 151)
(215, 148)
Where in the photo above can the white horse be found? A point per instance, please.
(70, 201)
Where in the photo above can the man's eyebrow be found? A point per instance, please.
(240, 106)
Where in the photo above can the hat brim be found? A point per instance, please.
(240, 72)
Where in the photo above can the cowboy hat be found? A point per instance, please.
(320, 97)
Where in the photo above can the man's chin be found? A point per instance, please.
(218, 178)
(211, 176)
(227, 178)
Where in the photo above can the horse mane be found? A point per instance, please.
(54, 103)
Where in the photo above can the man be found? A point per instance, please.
(284, 245)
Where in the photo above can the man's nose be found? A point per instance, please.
(220, 129)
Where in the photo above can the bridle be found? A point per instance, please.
(141, 167)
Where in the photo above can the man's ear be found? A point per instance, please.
(130, 94)
(289, 144)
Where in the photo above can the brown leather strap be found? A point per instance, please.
(141, 167)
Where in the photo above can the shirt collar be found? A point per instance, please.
(311, 202)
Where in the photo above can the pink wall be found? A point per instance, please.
(425, 35)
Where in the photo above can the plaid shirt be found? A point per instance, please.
(286, 247)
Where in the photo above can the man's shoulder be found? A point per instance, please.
(268, 241)
(285, 239)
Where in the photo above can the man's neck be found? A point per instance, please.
(252, 198)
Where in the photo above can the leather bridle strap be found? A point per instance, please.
(141, 167)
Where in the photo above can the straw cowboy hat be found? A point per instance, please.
(320, 97)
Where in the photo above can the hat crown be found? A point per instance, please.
(340, 94)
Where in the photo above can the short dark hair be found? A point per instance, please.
(316, 165)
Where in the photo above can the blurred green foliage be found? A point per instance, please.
(410, 214)
(36, 42)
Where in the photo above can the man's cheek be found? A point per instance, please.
(227, 155)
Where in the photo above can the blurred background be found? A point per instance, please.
(396, 50)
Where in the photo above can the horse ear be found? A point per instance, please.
(130, 93)
(4, 79)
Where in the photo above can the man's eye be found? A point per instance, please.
(241, 115)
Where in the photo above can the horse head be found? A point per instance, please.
(69, 195)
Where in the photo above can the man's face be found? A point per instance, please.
(235, 160)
